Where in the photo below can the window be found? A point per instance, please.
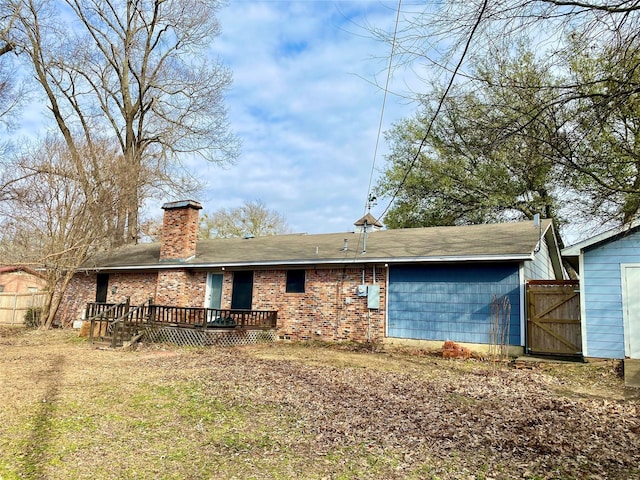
(1, 288)
(295, 281)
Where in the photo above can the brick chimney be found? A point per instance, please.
(179, 230)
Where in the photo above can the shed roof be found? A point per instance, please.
(20, 268)
(572, 253)
(495, 242)
(610, 235)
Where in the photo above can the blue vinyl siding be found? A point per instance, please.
(450, 302)
(601, 287)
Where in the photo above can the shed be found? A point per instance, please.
(21, 288)
(609, 268)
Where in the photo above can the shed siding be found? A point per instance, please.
(451, 302)
(541, 267)
(602, 293)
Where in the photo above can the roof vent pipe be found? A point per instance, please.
(345, 247)
(364, 237)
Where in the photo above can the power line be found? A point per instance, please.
(440, 104)
(384, 102)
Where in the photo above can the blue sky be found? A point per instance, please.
(304, 103)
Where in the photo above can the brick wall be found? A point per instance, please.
(181, 288)
(328, 310)
(179, 230)
(140, 287)
(81, 289)
(21, 282)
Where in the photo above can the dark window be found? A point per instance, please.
(295, 281)
(102, 284)
(242, 290)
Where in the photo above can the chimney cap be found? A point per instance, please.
(182, 204)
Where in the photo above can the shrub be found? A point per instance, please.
(32, 317)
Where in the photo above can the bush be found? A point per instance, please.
(32, 317)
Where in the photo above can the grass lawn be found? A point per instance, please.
(286, 411)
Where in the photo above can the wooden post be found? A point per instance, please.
(15, 306)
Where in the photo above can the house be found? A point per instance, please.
(21, 288)
(20, 279)
(423, 284)
(609, 268)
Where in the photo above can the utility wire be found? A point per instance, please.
(367, 203)
(384, 102)
(440, 104)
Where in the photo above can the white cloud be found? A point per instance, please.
(304, 106)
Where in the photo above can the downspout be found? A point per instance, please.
(364, 267)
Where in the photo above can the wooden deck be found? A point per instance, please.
(118, 323)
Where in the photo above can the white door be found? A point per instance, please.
(213, 296)
(631, 306)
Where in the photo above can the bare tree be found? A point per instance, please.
(50, 223)
(136, 74)
(10, 87)
(433, 35)
(252, 218)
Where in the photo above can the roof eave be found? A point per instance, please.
(576, 249)
(321, 261)
(554, 251)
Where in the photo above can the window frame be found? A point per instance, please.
(242, 290)
(296, 284)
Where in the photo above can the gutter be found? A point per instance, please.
(338, 261)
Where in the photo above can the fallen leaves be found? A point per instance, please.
(294, 411)
(500, 417)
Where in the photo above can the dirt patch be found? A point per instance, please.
(294, 411)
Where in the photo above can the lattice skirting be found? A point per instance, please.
(200, 338)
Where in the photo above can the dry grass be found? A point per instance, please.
(69, 411)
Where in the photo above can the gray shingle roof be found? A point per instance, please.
(504, 241)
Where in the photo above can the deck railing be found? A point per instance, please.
(120, 321)
(116, 322)
(213, 317)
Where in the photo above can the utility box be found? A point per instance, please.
(373, 296)
(361, 290)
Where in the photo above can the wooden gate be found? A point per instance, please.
(553, 318)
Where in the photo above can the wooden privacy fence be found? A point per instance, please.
(553, 317)
(13, 306)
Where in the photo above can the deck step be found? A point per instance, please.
(632, 372)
